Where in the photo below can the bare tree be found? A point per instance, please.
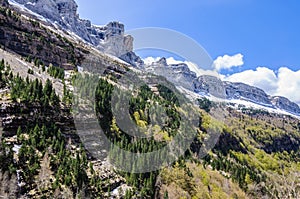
(8, 187)
(285, 185)
(45, 174)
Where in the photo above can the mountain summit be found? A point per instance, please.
(70, 113)
(212, 87)
(109, 38)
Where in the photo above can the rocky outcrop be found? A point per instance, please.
(244, 91)
(3, 3)
(161, 62)
(110, 38)
(29, 39)
(181, 75)
(207, 84)
(15, 115)
(285, 104)
(178, 74)
(132, 59)
(114, 41)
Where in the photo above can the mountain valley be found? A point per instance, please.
(55, 66)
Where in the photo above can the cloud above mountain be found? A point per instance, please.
(228, 62)
(150, 60)
(289, 84)
(261, 77)
(284, 82)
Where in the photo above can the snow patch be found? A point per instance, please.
(24, 9)
(234, 103)
(16, 148)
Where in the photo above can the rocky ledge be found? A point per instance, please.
(285, 104)
(181, 75)
(109, 38)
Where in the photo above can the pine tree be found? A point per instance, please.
(48, 88)
(166, 195)
(19, 133)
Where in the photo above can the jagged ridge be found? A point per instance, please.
(109, 38)
(181, 75)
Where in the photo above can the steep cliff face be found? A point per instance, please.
(14, 115)
(110, 38)
(30, 39)
(3, 2)
(285, 104)
(53, 10)
(241, 90)
(181, 75)
(207, 84)
(114, 41)
(178, 74)
(211, 85)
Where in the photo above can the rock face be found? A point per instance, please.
(251, 93)
(3, 2)
(207, 84)
(29, 39)
(14, 115)
(161, 62)
(132, 59)
(110, 38)
(181, 75)
(285, 104)
(214, 86)
(178, 74)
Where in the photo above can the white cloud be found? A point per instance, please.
(285, 83)
(227, 61)
(289, 84)
(171, 60)
(150, 60)
(262, 77)
(193, 67)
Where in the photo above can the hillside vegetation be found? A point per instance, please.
(42, 155)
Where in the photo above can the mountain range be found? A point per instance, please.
(111, 39)
(213, 87)
(46, 53)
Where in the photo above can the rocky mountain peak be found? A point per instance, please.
(208, 85)
(3, 2)
(183, 68)
(47, 8)
(285, 104)
(67, 7)
(112, 39)
(109, 38)
(113, 28)
(244, 91)
(162, 61)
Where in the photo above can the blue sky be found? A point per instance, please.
(266, 33)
